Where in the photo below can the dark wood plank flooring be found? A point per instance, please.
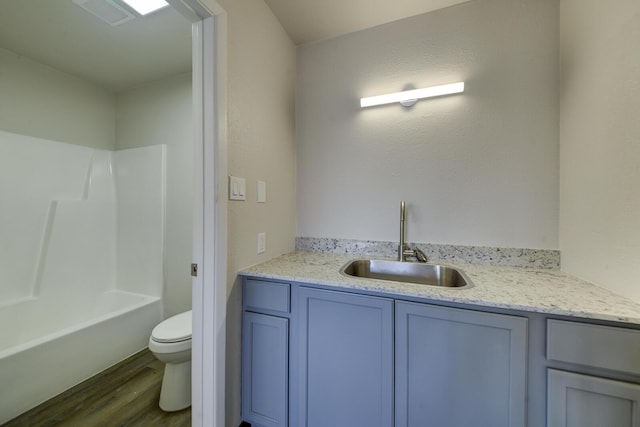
(124, 395)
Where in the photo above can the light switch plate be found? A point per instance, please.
(262, 242)
(237, 188)
(262, 192)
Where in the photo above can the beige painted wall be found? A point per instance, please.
(40, 101)
(261, 146)
(480, 168)
(600, 143)
(155, 113)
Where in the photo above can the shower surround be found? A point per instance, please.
(81, 262)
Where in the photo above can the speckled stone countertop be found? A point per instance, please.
(512, 257)
(527, 289)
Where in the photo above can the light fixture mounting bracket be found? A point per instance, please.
(409, 102)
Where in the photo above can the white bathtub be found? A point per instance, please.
(47, 347)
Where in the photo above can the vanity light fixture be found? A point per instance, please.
(409, 97)
(145, 7)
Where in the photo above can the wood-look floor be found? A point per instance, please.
(124, 395)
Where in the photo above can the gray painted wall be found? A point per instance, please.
(480, 168)
(40, 101)
(600, 143)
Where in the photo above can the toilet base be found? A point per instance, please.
(175, 394)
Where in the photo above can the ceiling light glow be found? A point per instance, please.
(145, 7)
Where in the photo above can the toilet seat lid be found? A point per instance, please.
(175, 328)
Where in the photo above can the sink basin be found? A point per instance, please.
(408, 272)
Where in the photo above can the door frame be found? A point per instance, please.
(209, 286)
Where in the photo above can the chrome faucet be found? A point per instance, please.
(404, 251)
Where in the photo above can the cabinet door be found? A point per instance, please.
(575, 400)
(265, 364)
(459, 368)
(345, 360)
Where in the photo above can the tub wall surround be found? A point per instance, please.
(72, 209)
(513, 257)
(85, 263)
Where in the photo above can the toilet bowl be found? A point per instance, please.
(170, 342)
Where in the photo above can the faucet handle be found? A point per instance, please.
(414, 253)
(420, 256)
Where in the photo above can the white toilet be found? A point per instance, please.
(170, 342)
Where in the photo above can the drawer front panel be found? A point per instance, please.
(596, 346)
(264, 295)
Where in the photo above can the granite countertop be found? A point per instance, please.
(516, 288)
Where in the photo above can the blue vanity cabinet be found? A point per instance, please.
(459, 368)
(313, 357)
(586, 397)
(345, 367)
(265, 353)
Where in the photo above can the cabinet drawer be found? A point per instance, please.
(596, 346)
(264, 295)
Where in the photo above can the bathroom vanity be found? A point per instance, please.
(519, 348)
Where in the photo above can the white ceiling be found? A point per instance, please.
(64, 36)
(312, 20)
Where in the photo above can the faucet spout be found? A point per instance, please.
(404, 251)
(401, 246)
